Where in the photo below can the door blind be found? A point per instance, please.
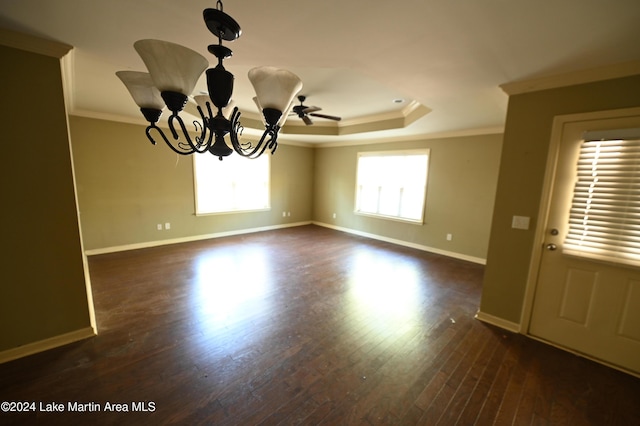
(604, 220)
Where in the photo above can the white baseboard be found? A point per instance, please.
(46, 344)
(148, 244)
(434, 250)
(498, 322)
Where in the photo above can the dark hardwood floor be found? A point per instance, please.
(306, 326)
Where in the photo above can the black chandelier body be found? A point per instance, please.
(173, 73)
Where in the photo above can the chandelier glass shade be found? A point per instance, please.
(173, 72)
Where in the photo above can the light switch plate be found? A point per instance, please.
(520, 222)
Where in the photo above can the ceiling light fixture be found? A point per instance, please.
(173, 73)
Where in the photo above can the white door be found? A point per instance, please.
(588, 305)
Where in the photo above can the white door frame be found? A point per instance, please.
(559, 122)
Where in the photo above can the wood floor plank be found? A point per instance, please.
(497, 391)
(454, 371)
(307, 326)
(514, 389)
(478, 395)
(466, 383)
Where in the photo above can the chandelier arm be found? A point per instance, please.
(148, 132)
(198, 139)
(206, 119)
(236, 130)
(273, 144)
(164, 137)
(199, 143)
(270, 143)
(204, 126)
(247, 149)
(209, 110)
(194, 147)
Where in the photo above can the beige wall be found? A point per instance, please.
(526, 143)
(126, 186)
(460, 193)
(43, 290)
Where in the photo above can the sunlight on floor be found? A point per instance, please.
(384, 289)
(230, 287)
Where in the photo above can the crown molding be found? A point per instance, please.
(33, 44)
(389, 120)
(111, 117)
(413, 138)
(624, 69)
(67, 72)
(410, 109)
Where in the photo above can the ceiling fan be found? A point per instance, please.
(303, 112)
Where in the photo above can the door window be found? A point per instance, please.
(604, 220)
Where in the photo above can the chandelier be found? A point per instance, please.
(173, 73)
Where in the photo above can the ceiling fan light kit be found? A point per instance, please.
(174, 71)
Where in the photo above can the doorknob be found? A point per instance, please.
(551, 247)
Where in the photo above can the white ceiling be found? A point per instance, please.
(354, 56)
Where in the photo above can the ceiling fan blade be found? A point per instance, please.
(307, 120)
(328, 117)
(307, 110)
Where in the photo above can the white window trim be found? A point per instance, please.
(422, 151)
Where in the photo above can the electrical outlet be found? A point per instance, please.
(167, 225)
(159, 227)
(284, 214)
(334, 215)
(449, 237)
(288, 214)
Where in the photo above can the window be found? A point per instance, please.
(231, 185)
(392, 184)
(604, 220)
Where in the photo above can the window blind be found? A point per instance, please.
(604, 220)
